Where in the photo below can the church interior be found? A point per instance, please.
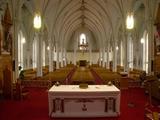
(80, 59)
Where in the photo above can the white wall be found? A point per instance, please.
(81, 56)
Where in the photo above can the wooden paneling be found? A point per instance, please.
(6, 75)
(157, 46)
(157, 64)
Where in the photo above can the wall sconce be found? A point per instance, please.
(130, 21)
(37, 21)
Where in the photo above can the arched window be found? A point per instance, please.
(82, 39)
(82, 43)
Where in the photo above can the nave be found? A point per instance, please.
(43, 41)
(35, 105)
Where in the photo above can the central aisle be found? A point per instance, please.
(82, 75)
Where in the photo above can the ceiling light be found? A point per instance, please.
(130, 21)
(142, 40)
(37, 21)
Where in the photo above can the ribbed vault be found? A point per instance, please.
(63, 17)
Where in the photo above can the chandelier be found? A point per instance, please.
(83, 46)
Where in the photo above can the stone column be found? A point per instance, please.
(39, 54)
(150, 44)
(75, 50)
(16, 22)
(57, 51)
(28, 58)
(53, 57)
(61, 58)
(100, 58)
(15, 50)
(107, 55)
(151, 5)
(114, 56)
(125, 52)
(90, 56)
(65, 59)
(136, 50)
(50, 56)
(74, 56)
(103, 57)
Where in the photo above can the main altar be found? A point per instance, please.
(94, 101)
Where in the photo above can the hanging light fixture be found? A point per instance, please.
(130, 21)
(83, 46)
(37, 21)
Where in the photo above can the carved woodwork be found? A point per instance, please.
(6, 46)
(5, 54)
(156, 62)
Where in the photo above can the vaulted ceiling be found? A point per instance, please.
(62, 18)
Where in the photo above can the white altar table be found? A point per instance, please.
(94, 101)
